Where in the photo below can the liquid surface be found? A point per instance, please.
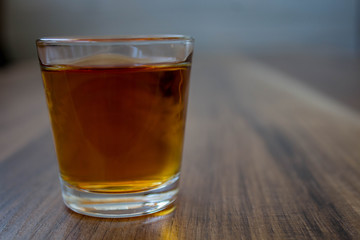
(117, 128)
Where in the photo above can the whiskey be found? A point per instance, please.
(117, 127)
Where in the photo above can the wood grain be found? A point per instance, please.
(265, 158)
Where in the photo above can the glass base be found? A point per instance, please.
(110, 205)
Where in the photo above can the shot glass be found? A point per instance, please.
(117, 107)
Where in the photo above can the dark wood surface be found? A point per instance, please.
(265, 157)
(337, 75)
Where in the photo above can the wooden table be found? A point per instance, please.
(265, 158)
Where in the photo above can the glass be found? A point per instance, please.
(117, 107)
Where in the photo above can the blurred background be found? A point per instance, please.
(305, 39)
(250, 26)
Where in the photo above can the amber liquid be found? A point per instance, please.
(117, 128)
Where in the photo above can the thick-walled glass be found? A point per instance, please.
(118, 108)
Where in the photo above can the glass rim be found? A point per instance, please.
(161, 38)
